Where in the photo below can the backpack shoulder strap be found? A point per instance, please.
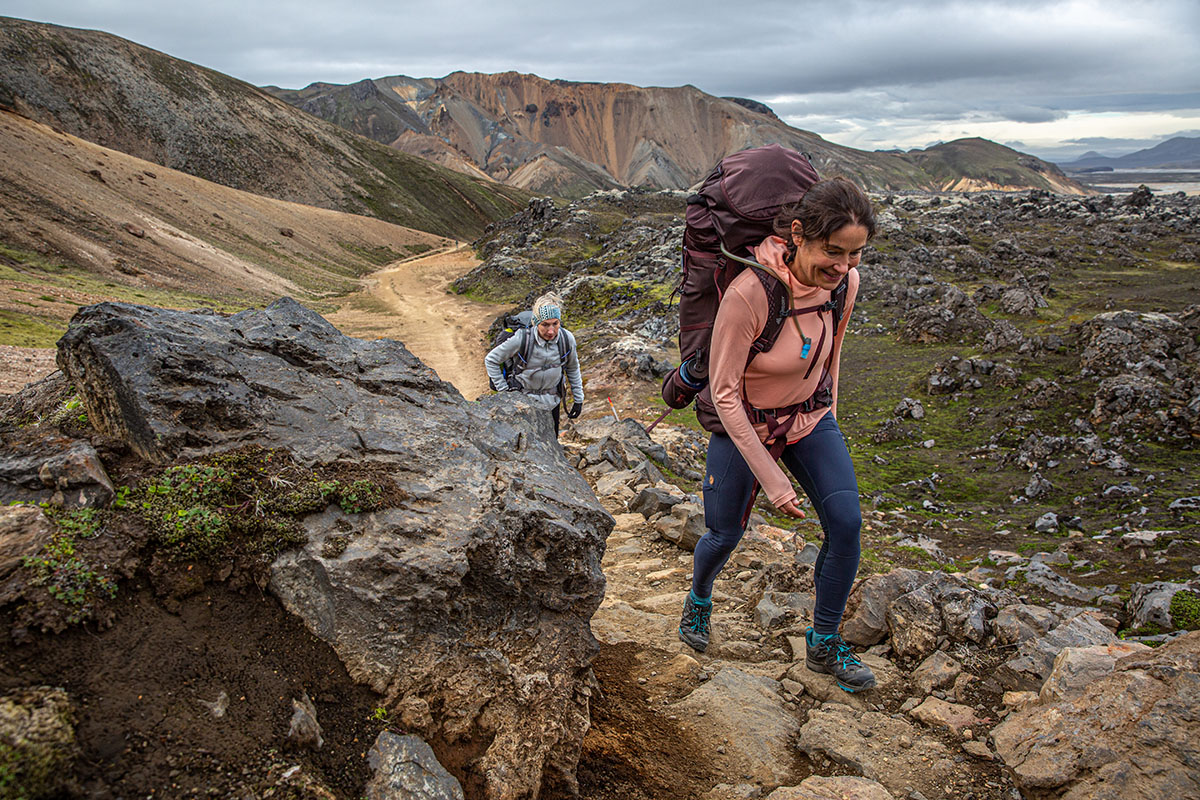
(526, 346)
(779, 305)
(839, 302)
(564, 348)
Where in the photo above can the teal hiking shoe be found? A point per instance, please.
(693, 628)
(832, 656)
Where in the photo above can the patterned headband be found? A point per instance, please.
(547, 312)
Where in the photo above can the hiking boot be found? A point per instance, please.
(693, 628)
(833, 656)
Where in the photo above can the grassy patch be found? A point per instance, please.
(873, 562)
(379, 256)
(29, 330)
(32, 273)
(682, 417)
(409, 191)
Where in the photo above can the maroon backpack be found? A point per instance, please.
(733, 211)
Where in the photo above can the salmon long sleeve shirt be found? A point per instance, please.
(776, 378)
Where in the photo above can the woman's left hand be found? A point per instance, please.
(791, 509)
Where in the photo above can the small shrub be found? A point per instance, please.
(68, 575)
(70, 411)
(358, 496)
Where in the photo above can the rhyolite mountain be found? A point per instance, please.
(145, 103)
(1180, 152)
(569, 138)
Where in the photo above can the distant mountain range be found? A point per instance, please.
(568, 138)
(445, 156)
(1181, 152)
(144, 103)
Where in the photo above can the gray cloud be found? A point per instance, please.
(877, 73)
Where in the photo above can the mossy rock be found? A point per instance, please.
(37, 743)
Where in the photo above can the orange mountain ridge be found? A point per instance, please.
(568, 138)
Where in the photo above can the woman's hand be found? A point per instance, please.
(791, 509)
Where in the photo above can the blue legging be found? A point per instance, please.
(823, 468)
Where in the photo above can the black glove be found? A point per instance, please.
(512, 387)
(575, 411)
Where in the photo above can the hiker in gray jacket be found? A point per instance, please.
(540, 361)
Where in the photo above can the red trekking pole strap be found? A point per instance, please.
(778, 441)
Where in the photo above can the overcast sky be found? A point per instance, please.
(1050, 78)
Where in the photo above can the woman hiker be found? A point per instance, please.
(543, 361)
(818, 242)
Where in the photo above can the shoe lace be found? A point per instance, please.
(697, 618)
(842, 652)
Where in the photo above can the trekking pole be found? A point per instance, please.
(660, 419)
(613, 409)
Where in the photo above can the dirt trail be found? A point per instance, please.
(410, 301)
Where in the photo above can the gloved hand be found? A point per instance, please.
(512, 387)
(575, 411)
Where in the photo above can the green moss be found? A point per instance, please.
(604, 298)
(872, 562)
(918, 555)
(1185, 610)
(69, 412)
(32, 771)
(1149, 629)
(244, 503)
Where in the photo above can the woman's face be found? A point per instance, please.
(823, 263)
(548, 329)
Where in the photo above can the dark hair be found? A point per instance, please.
(827, 207)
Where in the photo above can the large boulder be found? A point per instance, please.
(865, 621)
(747, 712)
(942, 605)
(1115, 341)
(1134, 733)
(467, 602)
(1034, 660)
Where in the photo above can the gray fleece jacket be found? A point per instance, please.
(542, 372)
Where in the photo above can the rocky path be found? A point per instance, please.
(410, 301)
(668, 722)
(741, 709)
(981, 694)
